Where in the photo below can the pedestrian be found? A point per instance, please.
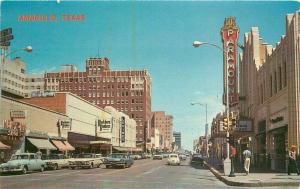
(292, 161)
(39, 154)
(247, 156)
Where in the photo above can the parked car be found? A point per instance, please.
(87, 160)
(148, 155)
(165, 155)
(157, 156)
(56, 161)
(197, 159)
(173, 159)
(182, 157)
(118, 160)
(23, 162)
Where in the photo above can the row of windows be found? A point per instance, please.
(13, 83)
(95, 79)
(13, 75)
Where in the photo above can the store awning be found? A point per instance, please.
(136, 149)
(3, 146)
(59, 145)
(121, 149)
(42, 143)
(99, 142)
(69, 147)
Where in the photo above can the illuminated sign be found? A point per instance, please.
(15, 128)
(122, 129)
(230, 33)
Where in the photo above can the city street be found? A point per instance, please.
(143, 174)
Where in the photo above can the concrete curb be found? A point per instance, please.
(222, 178)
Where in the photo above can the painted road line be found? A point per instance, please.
(149, 172)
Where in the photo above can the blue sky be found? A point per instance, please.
(154, 35)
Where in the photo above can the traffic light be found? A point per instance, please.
(231, 140)
(233, 120)
(225, 124)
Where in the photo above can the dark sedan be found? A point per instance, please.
(118, 160)
(197, 159)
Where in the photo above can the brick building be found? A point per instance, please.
(127, 91)
(164, 123)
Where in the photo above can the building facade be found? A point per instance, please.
(127, 91)
(269, 94)
(177, 136)
(164, 123)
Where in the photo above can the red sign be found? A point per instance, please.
(15, 128)
(230, 34)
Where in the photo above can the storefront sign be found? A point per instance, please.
(15, 128)
(230, 33)
(65, 125)
(277, 119)
(104, 125)
(122, 129)
(244, 126)
(19, 114)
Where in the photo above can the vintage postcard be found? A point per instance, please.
(149, 94)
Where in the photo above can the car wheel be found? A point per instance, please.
(124, 166)
(24, 170)
(107, 166)
(98, 165)
(55, 167)
(42, 169)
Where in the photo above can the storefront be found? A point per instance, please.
(39, 142)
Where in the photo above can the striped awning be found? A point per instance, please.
(59, 145)
(3, 146)
(69, 147)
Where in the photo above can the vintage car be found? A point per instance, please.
(173, 159)
(56, 161)
(86, 161)
(197, 159)
(118, 160)
(23, 162)
(157, 156)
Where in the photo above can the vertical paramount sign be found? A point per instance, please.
(230, 33)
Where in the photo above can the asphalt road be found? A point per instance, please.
(144, 174)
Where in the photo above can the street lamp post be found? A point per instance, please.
(4, 55)
(198, 44)
(206, 125)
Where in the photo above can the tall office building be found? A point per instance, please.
(164, 123)
(177, 136)
(127, 91)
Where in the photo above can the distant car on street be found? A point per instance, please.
(165, 155)
(173, 159)
(118, 160)
(157, 156)
(182, 157)
(197, 159)
(23, 162)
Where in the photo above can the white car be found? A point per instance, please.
(56, 161)
(173, 159)
(86, 161)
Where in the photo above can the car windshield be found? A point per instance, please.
(117, 156)
(173, 156)
(15, 157)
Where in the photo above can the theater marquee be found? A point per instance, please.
(230, 33)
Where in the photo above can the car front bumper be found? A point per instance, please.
(10, 170)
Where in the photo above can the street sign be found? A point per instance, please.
(5, 44)
(4, 32)
(6, 38)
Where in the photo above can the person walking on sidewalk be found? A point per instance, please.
(247, 156)
(292, 161)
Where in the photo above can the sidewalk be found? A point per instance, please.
(257, 179)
